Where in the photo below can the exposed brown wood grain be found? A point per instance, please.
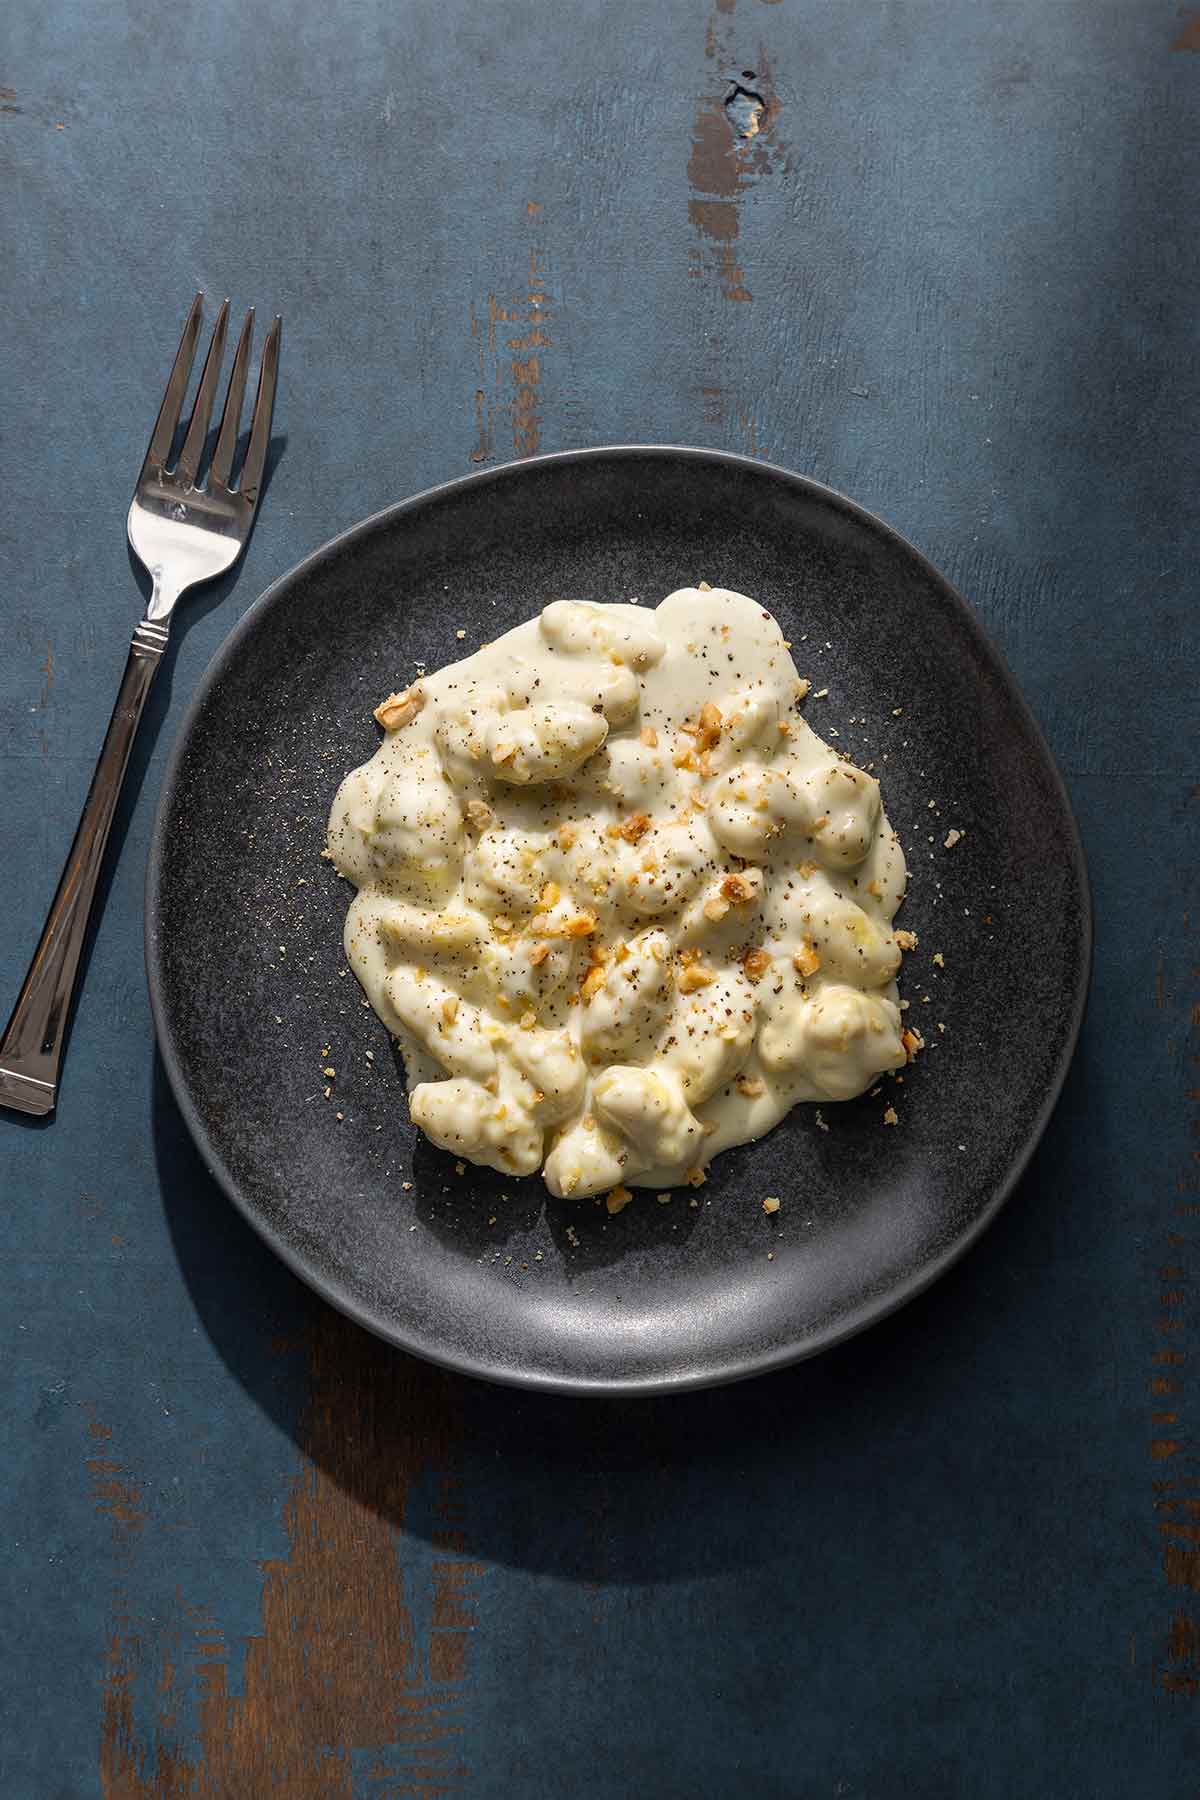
(338, 1666)
(510, 351)
(732, 147)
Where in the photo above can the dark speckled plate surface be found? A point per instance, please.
(248, 982)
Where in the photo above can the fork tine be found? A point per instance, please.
(260, 427)
(172, 400)
(231, 417)
(197, 431)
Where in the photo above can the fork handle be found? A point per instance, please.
(32, 1046)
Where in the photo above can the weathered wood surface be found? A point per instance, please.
(941, 255)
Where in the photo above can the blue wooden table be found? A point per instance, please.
(940, 255)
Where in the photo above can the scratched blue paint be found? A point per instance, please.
(931, 1562)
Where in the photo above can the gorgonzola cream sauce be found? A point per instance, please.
(618, 903)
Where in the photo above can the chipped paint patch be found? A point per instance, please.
(339, 1667)
(509, 363)
(734, 144)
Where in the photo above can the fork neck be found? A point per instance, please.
(163, 595)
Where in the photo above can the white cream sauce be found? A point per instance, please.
(620, 906)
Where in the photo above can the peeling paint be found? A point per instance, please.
(509, 373)
(339, 1666)
(734, 145)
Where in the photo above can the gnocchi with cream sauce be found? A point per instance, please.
(618, 903)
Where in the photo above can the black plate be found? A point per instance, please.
(660, 1296)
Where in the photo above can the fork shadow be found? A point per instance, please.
(196, 606)
(859, 1447)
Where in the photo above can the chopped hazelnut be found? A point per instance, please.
(618, 1199)
(755, 964)
(593, 981)
(739, 888)
(634, 828)
(694, 973)
(400, 709)
(649, 737)
(771, 1203)
(750, 1086)
(707, 728)
(806, 959)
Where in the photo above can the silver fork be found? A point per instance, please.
(184, 532)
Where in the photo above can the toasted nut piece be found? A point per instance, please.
(771, 1203)
(449, 1009)
(684, 759)
(755, 964)
(538, 955)
(550, 895)
(907, 940)
(806, 959)
(715, 909)
(694, 973)
(566, 837)
(528, 1019)
(634, 828)
(739, 888)
(705, 587)
(579, 925)
(593, 981)
(480, 814)
(400, 709)
(649, 737)
(751, 1086)
(912, 1041)
(707, 729)
(617, 1199)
